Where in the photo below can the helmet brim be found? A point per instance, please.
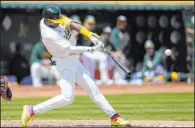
(60, 20)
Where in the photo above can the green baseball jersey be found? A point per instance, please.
(39, 52)
(115, 39)
(190, 41)
(156, 60)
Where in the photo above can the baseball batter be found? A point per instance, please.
(57, 35)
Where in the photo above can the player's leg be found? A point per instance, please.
(84, 79)
(65, 98)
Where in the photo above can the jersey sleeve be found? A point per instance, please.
(67, 22)
(115, 38)
(59, 41)
(144, 63)
(35, 55)
(64, 45)
(157, 59)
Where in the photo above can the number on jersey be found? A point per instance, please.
(67, 35)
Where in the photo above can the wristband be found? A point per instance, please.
(85, 32)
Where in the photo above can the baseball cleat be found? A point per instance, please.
(120, 122)
(26, 115)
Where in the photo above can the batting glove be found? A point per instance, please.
(97, 47)
(96, 41)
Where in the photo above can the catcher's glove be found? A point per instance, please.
(6, 92)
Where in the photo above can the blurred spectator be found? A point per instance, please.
(90, 24)
(86, 58)
(177, 76)
(105, 37)
(76, 18)
(116, 75)
(120, 37)
(19, 65)
(153, 69)
(40, 65)
(181, 76)
(190, 44)
(97, 62)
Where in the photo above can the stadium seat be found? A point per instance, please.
(27, 80)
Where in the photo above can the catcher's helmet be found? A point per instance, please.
(53, 14)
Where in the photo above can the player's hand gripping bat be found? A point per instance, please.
(119, 63)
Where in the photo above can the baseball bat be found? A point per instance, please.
(119, 63)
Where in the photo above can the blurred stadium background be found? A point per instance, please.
(168, 24)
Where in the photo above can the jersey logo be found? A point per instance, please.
(68, 34)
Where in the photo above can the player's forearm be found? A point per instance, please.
(79, 49)
(83, 30)
(75, 26)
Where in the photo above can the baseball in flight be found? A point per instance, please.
(168, 52)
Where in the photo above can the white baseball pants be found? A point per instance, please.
(68, 71)
(39, 71)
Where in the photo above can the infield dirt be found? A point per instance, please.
(53, 90)
(95, 123)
